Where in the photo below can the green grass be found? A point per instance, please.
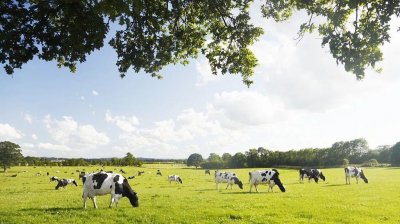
(31, 199)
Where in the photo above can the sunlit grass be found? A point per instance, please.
(31, 199)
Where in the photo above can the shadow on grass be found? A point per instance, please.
(247, 192)
(334, 185)
(207, 189)
(52, 210)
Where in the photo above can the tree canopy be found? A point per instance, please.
(153, 34)
(194, 159)
(10, 154)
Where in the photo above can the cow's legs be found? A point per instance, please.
(94, 201)
(84, 196)
(116, 202)
(255, 186)
(356, 179)
(111, 201)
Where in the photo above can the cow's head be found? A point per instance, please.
(180, 180)
(362, 176)
(130, 194)
(278, 182)
(74, 182)
(238, 182)
(321, 175)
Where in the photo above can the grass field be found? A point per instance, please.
(31, 199)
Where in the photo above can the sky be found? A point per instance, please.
(300, 99)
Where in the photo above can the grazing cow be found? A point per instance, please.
(53, 178)
(131, 177)
(270, 177)
(311, 174)
(122, 171)
(159, 173)
(356, 172)
(64, 182)
(102, 183)
(227, 177)
(207, 172)
(139, 173)
(175, 178)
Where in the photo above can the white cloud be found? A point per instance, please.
(68, 132)
(204, 73)
(247, 107)
(127, 124)
(95, 93)
(27, 145)
(27, 118)
(34, 137)
(53, 147)
(8, 132)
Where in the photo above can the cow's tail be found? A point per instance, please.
(346, 170)
(249, 177)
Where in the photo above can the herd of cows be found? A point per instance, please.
(108, 182)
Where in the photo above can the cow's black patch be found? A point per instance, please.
(116, 178)
(61, 183)
(99, 178)
(355, 171)
(119, 189)
(264, 174)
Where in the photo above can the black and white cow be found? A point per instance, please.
(159, 173)
(103, 183)
(207, 172)
(139, 173)
(122, 171)
(64, 182)
(356, 172)
(227, 177)
(311, 174)
(270, 177)
(175, 178)
(53, 178)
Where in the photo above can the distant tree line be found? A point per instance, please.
(10, 155)
(128, 160)
(340, 153)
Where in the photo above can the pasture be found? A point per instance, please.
(28, 198)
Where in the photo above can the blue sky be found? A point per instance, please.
(300, 99)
